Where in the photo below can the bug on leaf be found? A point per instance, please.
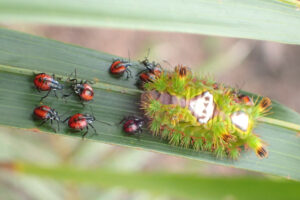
(152, 71)
(46, 113)
(45, 82)
(81, 121)
(133, 125)
(82, 89)
(119, 67)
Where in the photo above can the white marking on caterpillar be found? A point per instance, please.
(202, 107)
(240, 120)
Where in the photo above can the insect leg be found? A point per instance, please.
(45, 95)
(51, 121)
(55, 93)
(58, 128)
(128, 73)
(87, 130)
(43, 122)
(66, 119)
(93, 128)
(124, 118)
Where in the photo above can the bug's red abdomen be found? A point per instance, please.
(117, 67)
(130, 126)
(42, 112)
(87, 93)
(247, 100)
(147, 77)
(144, 77)
(43, 81)
(77, 121)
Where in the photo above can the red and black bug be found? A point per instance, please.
(46, 113)
(246, 99)
(133, 124)
(152, 67)
(80, 121)
(45, 82)
(242, 98)
(84, 90)
(147, 77)
(119, 67)
(149, 74)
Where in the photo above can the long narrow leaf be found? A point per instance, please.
(187, 186)
(21, 55)
(256, 19)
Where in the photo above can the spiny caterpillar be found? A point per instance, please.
(199, 113)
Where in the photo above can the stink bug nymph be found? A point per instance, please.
(133, 125)
(152, 71)
(84, 90)
(81, 121)
(46, 113)
(119, 67)
(45, 82)
(152, 67)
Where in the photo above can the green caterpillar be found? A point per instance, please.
(201, 114)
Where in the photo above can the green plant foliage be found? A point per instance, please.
(255, 19)
(292, 2)
(186, 186)
(21, 55)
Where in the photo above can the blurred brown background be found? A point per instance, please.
(265, 68)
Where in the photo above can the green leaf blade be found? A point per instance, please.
(254, 19)
(114, 99)
(187, 186)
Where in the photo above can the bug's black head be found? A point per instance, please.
(145, 62)
(89, 117)
(139, 121)
(54, 115)
(128, 64)
(78, 88)
(57, 117)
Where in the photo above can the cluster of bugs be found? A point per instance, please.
(195, 112)
(132, 125)
(180, 107)
(82, 89)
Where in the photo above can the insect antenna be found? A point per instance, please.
(66, 112)
(147, 56)
(148, 53)
(61, 116)
(104, 122)
(128, 55)
(165, 61)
